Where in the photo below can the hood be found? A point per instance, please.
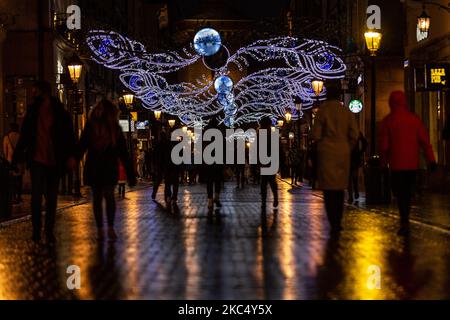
(397, 101)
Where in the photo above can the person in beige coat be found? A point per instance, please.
(335, 131)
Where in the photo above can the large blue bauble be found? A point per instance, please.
(225, 99)
(223, 85)
(230, 110)
(229, 122)
(207, 42)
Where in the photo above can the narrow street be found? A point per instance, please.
(237, 253)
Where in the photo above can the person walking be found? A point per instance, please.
(335, 132)
(122, 180)
(158, 162)
(402, 135)
(141, 164)
(356, 162)
(9, 145)
(46, 144)
(105, 144)
(266, 124)
(214, 174)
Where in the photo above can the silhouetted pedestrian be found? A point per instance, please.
(402, 134)
(105, 144)
(46, 143)
(335, 132)
(158, 161)
(356, 162)
(266, 124)
(9, 145)
(214, 174)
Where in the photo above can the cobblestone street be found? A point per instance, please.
(237, 253)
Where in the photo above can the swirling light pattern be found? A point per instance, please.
(267, 92)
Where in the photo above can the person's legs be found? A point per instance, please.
(97, 205)
(356, 182)
(175, 186)
(274, 188)
(350, 186)
(264, 181)
(108, 194)
(334, 206)
(51, 201)
(37, 191)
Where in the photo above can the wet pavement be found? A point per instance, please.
(237, 253)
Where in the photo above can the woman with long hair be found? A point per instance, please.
(105, 144)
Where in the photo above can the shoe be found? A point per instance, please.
(404, 230)
(217, 201)
(210, 204)
(36, 237)
(100, 234)
(112, 233)
(50, 237)
(275, 204)
(357, 196)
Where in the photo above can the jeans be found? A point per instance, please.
(98, 194)
(334, 205)
(402, 186)
(44, 183)
(272, 181)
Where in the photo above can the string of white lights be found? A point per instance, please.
(268, 92)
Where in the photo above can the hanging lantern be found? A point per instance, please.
(158, 115)
(317, 86)
(75, 67)
(128, 99)
(423, 22)
(373, 41)
(280, 123)
(172, 123)
(288, 117)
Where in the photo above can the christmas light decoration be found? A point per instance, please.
(269, 92)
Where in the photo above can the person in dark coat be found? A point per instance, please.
(402, 135)
(158, 162)
(46, 144)
(214, 174)
(266, 124)
(105, 144)
(356, 162)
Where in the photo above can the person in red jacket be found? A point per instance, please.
(402, 134)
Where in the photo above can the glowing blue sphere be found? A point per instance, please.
(225, 99)
(223, 85)
(230, 110)
(229, 122)
(207, 42)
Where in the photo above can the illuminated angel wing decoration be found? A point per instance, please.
(267, 92)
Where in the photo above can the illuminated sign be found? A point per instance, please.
(142, 125)
(355, 106)
(437, 76)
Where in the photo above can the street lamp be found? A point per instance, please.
(423, 22)
(317, 86)
(75, 67)
(158, 115)
(288, 117)
(280, 123)
(128, 98)
(172, 123)
(373, 41)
